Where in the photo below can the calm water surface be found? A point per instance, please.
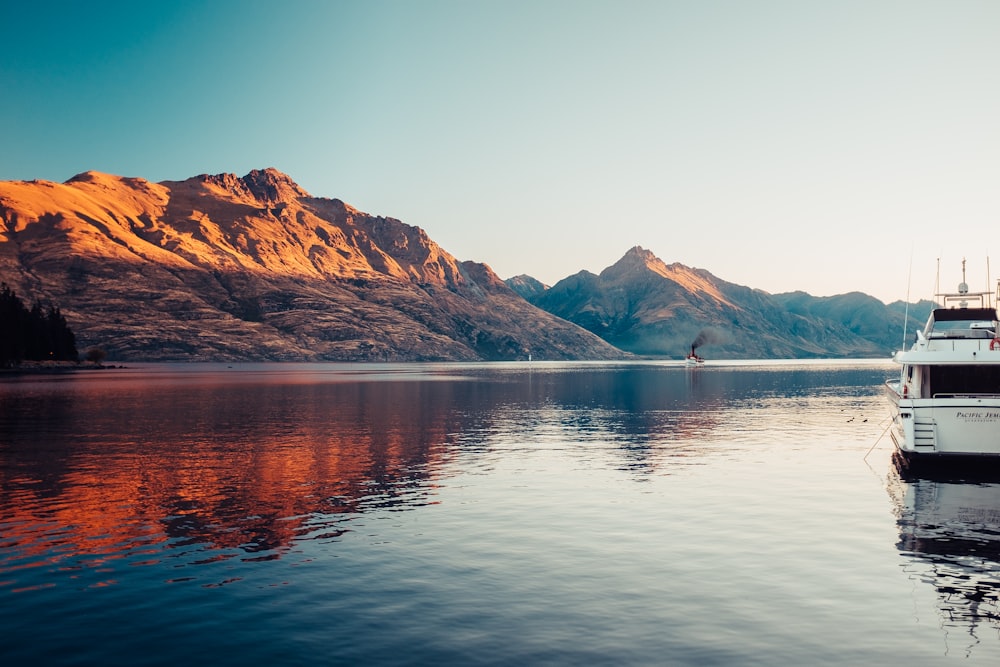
(618, 514)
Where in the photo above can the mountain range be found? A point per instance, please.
(647, 307)
(221, 267)
(218, 267)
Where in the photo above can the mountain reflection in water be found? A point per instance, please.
(622, 513)
(234, 469)
(203, 465)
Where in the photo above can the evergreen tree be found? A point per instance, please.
(13, 317)
(63, 340)
(37, 334)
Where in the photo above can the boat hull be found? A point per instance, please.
(959, 431)
(946, 467)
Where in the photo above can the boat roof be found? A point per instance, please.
(958, 314)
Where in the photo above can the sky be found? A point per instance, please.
(823, 146)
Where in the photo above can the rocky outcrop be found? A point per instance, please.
(219, 267)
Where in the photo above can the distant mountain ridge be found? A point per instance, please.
(223, 267)
(644, 306)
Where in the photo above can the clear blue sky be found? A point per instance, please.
(782, 145)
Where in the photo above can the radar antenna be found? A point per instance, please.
(963, 287)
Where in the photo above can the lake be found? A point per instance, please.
(741, 513)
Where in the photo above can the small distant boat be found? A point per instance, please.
(693, 359)
(945, 404)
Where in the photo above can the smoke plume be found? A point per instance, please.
(708, 336)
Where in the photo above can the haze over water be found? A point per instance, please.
(639, 513)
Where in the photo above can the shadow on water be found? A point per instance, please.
(949, 536)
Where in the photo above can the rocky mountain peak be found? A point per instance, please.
(266, 186)
(640, 266)
(108, 182)
(640, 254)
(633, 263)
(87, 177)
(271, 186)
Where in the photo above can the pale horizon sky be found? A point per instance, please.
(784, 145)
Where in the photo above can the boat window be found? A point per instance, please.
(964, 380)
(964, 314)
(963, 329)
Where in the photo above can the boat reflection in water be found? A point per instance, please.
(949, 532)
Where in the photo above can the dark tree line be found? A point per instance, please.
(32, 334)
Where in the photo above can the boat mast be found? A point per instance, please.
(906, 311)
(937, 278)
(989, 298)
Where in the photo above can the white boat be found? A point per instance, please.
(946, 403)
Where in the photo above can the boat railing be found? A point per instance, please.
(966, 299)
(961, 334)
(967, 394)
(941, 343)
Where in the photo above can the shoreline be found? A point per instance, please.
(52, 367)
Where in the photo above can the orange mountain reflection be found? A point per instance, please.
(244, 471)
(208, 468)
